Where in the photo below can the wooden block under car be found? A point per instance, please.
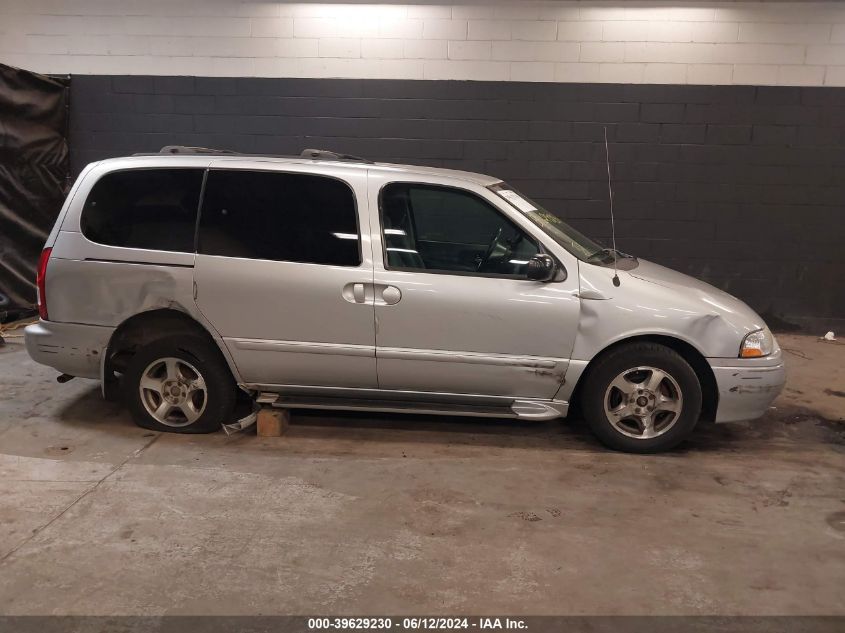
(272, 422)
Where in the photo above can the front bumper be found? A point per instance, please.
(747, 386)
(70, 348)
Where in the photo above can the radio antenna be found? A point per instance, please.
(612, 221)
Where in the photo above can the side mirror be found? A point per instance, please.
(541, 268)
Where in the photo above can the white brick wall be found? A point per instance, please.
(660, 41)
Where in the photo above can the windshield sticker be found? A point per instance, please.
(516, 200)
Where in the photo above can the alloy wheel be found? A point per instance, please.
(173, 392)
(643, 402)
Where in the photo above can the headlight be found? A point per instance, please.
(759, 343)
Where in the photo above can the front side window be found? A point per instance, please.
(153, 209)
(444, 229)
(279, 216)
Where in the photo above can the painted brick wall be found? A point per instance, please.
(741, 186)
(754, 43)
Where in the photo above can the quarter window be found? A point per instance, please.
(444, 229)
(153, 209)
(279, 216)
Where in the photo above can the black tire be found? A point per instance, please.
(626, 357)
(199, 353)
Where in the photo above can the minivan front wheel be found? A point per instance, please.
(179, 385)
(642, 398)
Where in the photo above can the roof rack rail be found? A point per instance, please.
(183, 149)
(322, 154)
(312, 154)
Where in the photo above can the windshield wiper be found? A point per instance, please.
(608, 252)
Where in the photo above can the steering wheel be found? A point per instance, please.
(493, 243)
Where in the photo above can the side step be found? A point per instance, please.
(390, 406)
(522, 409)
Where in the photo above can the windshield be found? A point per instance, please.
(576, 243)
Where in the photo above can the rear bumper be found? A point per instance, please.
(70, 348)
(747, 386)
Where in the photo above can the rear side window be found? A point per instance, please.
(154, 209)
(279, 216)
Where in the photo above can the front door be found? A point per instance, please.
(455, 312)
(280, 273)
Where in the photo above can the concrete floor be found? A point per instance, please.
(390, 514)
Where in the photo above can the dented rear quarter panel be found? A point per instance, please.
(108, 291)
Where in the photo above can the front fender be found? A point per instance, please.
(712, 324)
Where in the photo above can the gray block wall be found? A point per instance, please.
(741, 186)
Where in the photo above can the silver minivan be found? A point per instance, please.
(185, 278)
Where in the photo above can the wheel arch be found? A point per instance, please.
(699, 364)
(143, 328)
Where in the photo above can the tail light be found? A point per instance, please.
(40, 282)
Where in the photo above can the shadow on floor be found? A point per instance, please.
(446, 430)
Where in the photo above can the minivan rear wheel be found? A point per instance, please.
(642, 398)
(179, 384)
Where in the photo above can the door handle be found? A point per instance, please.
(381, 294)
(355, 292)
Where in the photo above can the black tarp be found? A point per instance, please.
(34, 176)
